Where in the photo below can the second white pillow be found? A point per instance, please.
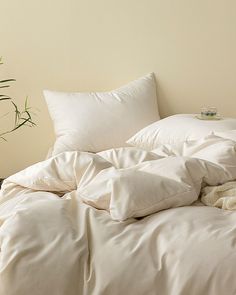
(177, 129)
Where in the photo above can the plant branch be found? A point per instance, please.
(22, 118)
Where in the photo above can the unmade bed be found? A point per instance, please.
(155, 218)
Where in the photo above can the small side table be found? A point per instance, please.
(1, 180)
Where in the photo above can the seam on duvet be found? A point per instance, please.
(162, 201)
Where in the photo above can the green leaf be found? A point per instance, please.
(21, 124)
(16, 113)
(22, 117)
(5, 86)
(26, 102)
(5, 98)
(7, 80)
(3, 95)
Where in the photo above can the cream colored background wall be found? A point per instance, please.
(83, 45)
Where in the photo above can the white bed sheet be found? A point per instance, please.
(55, 245)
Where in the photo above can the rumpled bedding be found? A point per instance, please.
(221, 196)
(64, 230)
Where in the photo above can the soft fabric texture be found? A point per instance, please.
(222, 196)
(150, 187)
(218, 150)
(230, 134)
(175, 130)
(60, 245)
(215, 149)
(97, 121)
(127, 156)
(54, 171)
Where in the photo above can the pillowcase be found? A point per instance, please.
(175, 130)
(98, 121)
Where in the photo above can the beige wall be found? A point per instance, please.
(81, 45)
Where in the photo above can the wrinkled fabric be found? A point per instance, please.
(54, 244)
(222, 196)
(151, 186)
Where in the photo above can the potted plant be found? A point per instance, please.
(21, 117)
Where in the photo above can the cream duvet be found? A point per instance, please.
(123, 221)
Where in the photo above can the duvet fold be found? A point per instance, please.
(144, 184)
(60, 235)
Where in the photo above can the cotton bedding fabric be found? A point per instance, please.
(95, 121)
(222, 196)
(53, 243)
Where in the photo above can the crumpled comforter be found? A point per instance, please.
(53, 243)
(221, 196)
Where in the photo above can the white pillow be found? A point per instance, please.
(98, 121)
(176, 129)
